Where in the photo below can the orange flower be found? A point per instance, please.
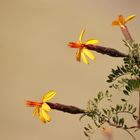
(42, 108)
(121, 21)
(82, 50)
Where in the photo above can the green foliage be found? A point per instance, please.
(125, 77)
(111, 115)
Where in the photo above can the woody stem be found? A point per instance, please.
(66, 108)
(104, 50)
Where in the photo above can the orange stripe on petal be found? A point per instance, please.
(115, 23)
(32, 104)
(74, 45)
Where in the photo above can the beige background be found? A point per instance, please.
(34, 58)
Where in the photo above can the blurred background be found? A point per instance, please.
(35, 58)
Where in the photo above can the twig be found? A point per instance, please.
(138, 121)
(125, 128)
(130, 133)
(66, 108)
(108, 51)
(118, 126)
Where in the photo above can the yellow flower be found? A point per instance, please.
(82, 50)
(42, 108)
(121, 21)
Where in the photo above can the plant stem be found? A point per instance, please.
(138, 121)
(130, 134)
(104, 50)
(66, 108)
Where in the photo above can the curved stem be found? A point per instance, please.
(130, 134)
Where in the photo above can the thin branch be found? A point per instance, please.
(138, 121)
(130, 133)
(108, 51)
(123, 127)
(66, 108)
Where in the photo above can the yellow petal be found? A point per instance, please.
(91, 41)
(78, 55)
(36, 110)
(89, 54)
(48, 96)
(41, 117)
(84, 57)
(115, 23)
(129, 18)
(81, 36)
(45, 115)
(46, 107)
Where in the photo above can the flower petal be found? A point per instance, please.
(48, 96)
(36, 110)
(84, 57)
(115, 23)
(45, 115)
(89, 54)
(46, 107)
(41, 117)
(74, 44)
(81, 36)
(129, 18)
(91, 41)
(121, 20)
(78, 55)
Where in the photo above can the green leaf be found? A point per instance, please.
(105, 111)
(125, 92)
(113, 109)
(100, 95)
(123, 69)
(117, 108)
(121, 122)
(127, 88)
(115, 72)
(134, 110)
(135, 117)
(89, 126)
(86, 134)
(115, 119)
(87, 129)
(124, 106)
(96, 100)
(130, 107)
(123, 100)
